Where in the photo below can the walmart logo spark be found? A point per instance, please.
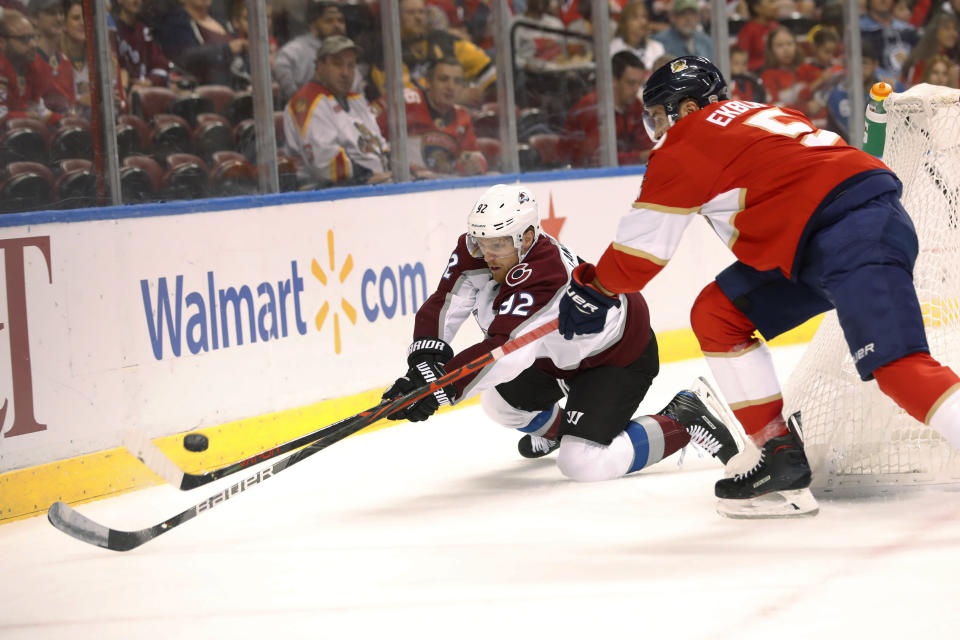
(347, 308)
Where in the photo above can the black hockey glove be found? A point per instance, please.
(426, 357)
(583, 308)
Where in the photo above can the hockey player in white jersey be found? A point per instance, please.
(511, 276)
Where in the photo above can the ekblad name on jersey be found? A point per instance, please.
(529, 298)
(757, 173)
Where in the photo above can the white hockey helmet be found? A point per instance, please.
(503, 210)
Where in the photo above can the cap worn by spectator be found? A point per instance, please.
(36, 6)
(679, 6)
(333, 45)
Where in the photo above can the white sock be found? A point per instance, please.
(946, 419)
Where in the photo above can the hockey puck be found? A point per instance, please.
(195, 442)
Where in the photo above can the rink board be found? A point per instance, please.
(251, 319)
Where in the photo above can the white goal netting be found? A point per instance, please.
(857, 439)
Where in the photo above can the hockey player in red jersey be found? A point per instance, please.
(510, 276)
(815, 225)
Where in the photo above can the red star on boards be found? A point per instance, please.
(552, 224)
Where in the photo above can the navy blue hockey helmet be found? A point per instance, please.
(685, 77)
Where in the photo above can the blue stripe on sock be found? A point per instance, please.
(538, 421)
(641, 446)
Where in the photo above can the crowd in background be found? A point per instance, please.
(181, 79)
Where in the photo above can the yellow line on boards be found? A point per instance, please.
(30, 491)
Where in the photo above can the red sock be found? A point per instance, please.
(916, 382)
(762, 421)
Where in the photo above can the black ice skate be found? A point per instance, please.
(705, 429)
(782, 466)
(536, 446)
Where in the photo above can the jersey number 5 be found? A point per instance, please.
(776, 121)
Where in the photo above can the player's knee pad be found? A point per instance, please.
(717, 323)
(586, 461)
(503, 413)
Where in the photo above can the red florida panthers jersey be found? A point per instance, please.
(757, 174)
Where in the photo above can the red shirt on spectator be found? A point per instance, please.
(53, 77)
(434, 140)
(785, 89)
(752, 38)
(18, 96)
(582, 133)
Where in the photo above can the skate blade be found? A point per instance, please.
(709, 396)
(779, 504)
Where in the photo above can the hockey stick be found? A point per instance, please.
(73, 523)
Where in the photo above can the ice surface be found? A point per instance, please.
(440, 530)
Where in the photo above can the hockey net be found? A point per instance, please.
(857, 439)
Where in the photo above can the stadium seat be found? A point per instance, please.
(551, 149)
(66, 165)
(136, 185)
(147, 102)
(28, 191)
(71, 141)
(76, 188)
(529, 158)
(219, 94)
(486, 124)
(17, 168)
(174, 160)
(288, 173)
(128, 140)
(240, 108)
(139, 124)
(149, 166)
(245, 139)
(211, 134)
(234, 176)
(186, 181)
(187, 106)
(531, 122)
(23, 144)
(170, 134)
(490, 148)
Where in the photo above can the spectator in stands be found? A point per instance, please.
(533, 47)
(838, 102)
(202, 45)
(19, 97)
(140, 56)
(331, 130)
(891, 38)
(632, 34)
(780, 78)
(744, 85)
(440, 135)
(685, 37)
(752, 37)
(821, 74)
(295, 62)
(51, 69)
(582, 129)
(940, 37)
(421, 45)
(942, 71)
(74, 46)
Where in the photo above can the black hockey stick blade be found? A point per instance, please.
(150, 455)
(74, 524)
